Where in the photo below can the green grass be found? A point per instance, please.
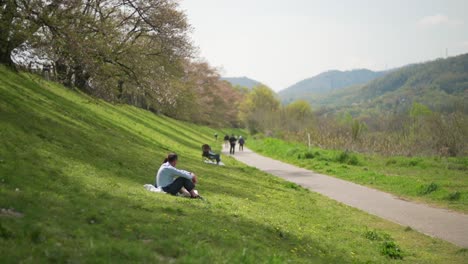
(438, 181)
(74, 168)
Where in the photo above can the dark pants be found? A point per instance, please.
(232, 149)
(176, 185)
(241, 147)
(215, 157)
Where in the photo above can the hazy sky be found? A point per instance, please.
(280, 42)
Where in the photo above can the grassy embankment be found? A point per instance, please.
(438, 181)
(72, 170)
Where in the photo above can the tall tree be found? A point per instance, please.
(259, 110)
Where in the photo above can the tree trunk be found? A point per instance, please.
(6, 19)
(5, 58)
(120, 90)
(81, 79)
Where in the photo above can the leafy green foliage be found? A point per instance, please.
(134, 52)
(5, 233)
(306, 155)
(388, 247)
(392, 250)
(346, 157)
(427, 189)
(258, 109)
(372, 235)
(454, 196)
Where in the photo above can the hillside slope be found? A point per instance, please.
(71, 175)
(242, 81)
(326, 82)
(440, 84)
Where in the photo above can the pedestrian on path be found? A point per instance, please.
(226, 141)
(241, 143)
(232, 141)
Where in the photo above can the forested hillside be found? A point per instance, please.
(242, 81)
(441, 85)
(420, 109)
(325, 83)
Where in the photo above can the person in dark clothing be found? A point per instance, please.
(226, 141)
(241, 143)
(206, 152)
(232, 141)
(216, 136)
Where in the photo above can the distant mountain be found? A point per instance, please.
(327, 82)
(441, 84)
(242, 81)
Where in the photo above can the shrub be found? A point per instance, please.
(305, 155)
(5, 233)
(308, 155)
(353, 160)
(343, 157)
(454, 196)
(391, 250)
(347, 158)
(390, 162)
(291, 185)
(387, 247)
(413, 162)
(36, 236)
(429, 188)
(372, 235)
(292, 151)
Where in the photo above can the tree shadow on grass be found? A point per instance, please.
(170, 131)
(66, 218)
(101, 150)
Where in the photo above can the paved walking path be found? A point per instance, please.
(440, 223)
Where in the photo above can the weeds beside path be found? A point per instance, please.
(437, 181)
(450, 226)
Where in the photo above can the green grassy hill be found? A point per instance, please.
(72, 170)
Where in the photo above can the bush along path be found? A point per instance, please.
(441, 223)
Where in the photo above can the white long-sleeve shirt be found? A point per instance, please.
(167, 174)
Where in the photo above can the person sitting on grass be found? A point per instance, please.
(173, 180)
(206, 152)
